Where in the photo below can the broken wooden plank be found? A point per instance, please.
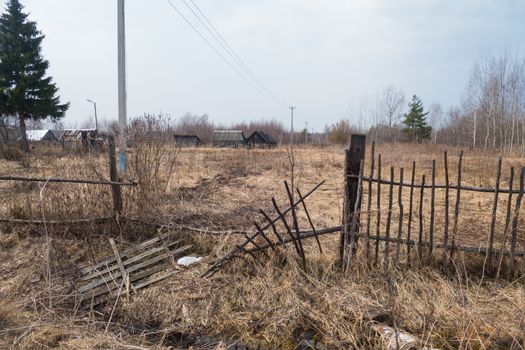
(127, 262)
(93, 293)
(135, 268)
(112, 259)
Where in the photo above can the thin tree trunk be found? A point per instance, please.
(23, 135)
(475, 128)
(513, 113)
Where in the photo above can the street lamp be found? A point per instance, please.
(95, 107)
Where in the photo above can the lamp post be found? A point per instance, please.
(96, 118)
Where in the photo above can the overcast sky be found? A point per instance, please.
(327, 57)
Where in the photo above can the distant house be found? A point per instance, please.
(78, 139)
(188, 140)
(228, 138)
(45, 135)
(261, 139)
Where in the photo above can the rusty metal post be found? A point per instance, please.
(115, 189)
(354, 155)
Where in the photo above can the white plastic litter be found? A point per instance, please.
(188, 260)
(398, 340)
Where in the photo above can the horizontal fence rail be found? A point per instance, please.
(428, 186)
(72, 181)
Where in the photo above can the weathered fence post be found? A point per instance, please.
(354, 155)
(115, 189)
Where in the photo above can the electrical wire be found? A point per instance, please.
(227, 47)
(256, 86)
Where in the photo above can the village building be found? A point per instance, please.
(35, 136)
(78, 139)
(261, 139)
(188, 140)
(228, 138)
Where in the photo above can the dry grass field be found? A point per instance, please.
(270, 302)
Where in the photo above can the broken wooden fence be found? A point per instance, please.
(128, 271)
(115, 183)
(278, 231)
(421, 221)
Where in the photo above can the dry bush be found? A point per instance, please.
(152, 159)
(11, 153)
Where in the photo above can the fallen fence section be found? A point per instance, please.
(128, 271)
(267, 234)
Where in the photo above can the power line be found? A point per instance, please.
(227, 47)
(199, 33)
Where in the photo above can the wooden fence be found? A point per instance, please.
(400, 218)
(114, 182)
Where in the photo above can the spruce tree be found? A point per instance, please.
(25, 90)
(416, 122)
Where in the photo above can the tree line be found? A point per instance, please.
(491, 115)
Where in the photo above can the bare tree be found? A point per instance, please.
(392, 104)
(494, 104)
(435, 118)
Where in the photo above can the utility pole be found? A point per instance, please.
(122, 95)
(96, 117)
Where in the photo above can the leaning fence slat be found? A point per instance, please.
(286, 226)
(309, 220)
(369, 203)
(378, 207)
(389, 218)
(400, 223)
(410, 211)
(507, 222)
(421, 204)
(252, 240)
(432, 212)
(494, 216)
(263, 235)
(515, 221)
(272, 225)
(446, 224)
(458, 203)
(296, 224)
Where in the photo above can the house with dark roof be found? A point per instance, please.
(45, 135)
(261, 139)
(188, 140)
(228, 138)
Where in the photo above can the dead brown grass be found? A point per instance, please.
(275, 303)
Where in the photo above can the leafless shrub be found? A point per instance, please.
(153, 156)
(11, 153)
(340, 132)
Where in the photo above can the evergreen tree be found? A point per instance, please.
(416, 122)
(25, 90)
